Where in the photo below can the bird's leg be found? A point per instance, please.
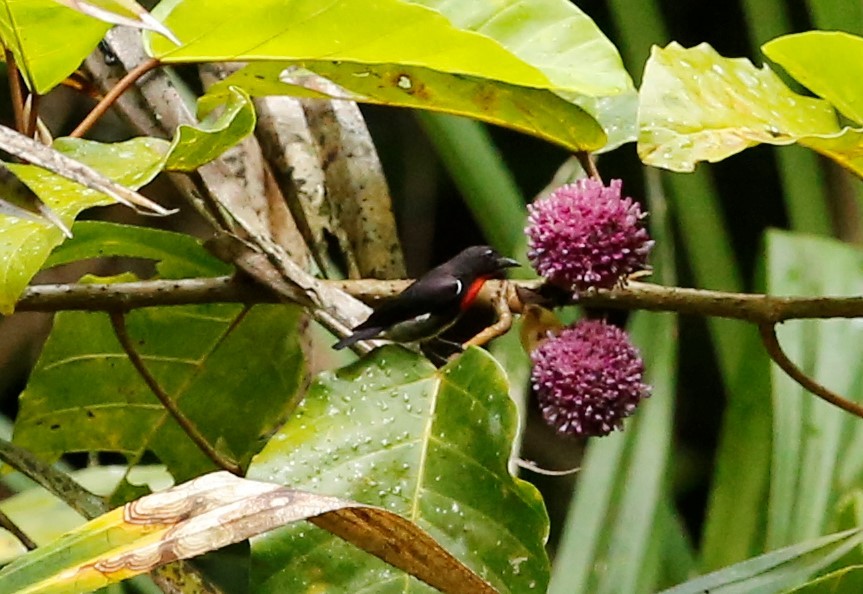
(500, 302)
(456, 346)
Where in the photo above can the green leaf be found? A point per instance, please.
(432, 445)
(194, 146)
(26, 244)
(828, 63)
(469, 59)
(84, 395)
(538, 112)
(775, 571)
(177, 255)
(34, 30)
(698, 106)
(841, 580)
(816, 455)
(569, 52)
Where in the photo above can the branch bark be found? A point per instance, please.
(756, 308)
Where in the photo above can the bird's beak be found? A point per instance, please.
(508, 263)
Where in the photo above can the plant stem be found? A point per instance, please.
(15, 90)
(588, 163)
(118, 322)
(54, 481)
(14, 530)
(108, 100)
(774, 349)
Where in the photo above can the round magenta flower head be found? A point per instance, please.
(585, 235)
(588, 378)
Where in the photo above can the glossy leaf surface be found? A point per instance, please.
(431, 445)
(698, 106)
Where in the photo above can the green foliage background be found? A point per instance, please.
(728, 460)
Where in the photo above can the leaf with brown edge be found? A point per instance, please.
(211, 512)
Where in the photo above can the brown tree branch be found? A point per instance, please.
(756, 308)
(774, 349)
(118, 322)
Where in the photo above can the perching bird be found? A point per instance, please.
(433, 302)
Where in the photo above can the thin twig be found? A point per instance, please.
(124, 83)
(774, 349)
(15, 90)
(500, 302)
(13, 529)
(118, 322)
(54, 481)
(588, 163)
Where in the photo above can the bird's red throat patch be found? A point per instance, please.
(472, 292)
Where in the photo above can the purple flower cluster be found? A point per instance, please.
(584, 235)
(588, 378)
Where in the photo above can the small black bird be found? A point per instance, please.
(433, 302)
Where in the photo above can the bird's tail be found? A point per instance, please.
(358, 335)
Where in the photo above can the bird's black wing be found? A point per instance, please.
(434, 292)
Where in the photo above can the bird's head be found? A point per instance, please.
(480, 261)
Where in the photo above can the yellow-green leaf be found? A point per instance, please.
(25, 244)
(495, 52)
(828, 63)
(48, 40)
(538, 112)
(195, 145)
(696, 105)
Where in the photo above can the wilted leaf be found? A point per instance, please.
(698, 106)
(26, 244)
(44, 517)
(775, 571)
(120, 12)
(35, 30)
(194, 146)
(211, 512)
(430, 444)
